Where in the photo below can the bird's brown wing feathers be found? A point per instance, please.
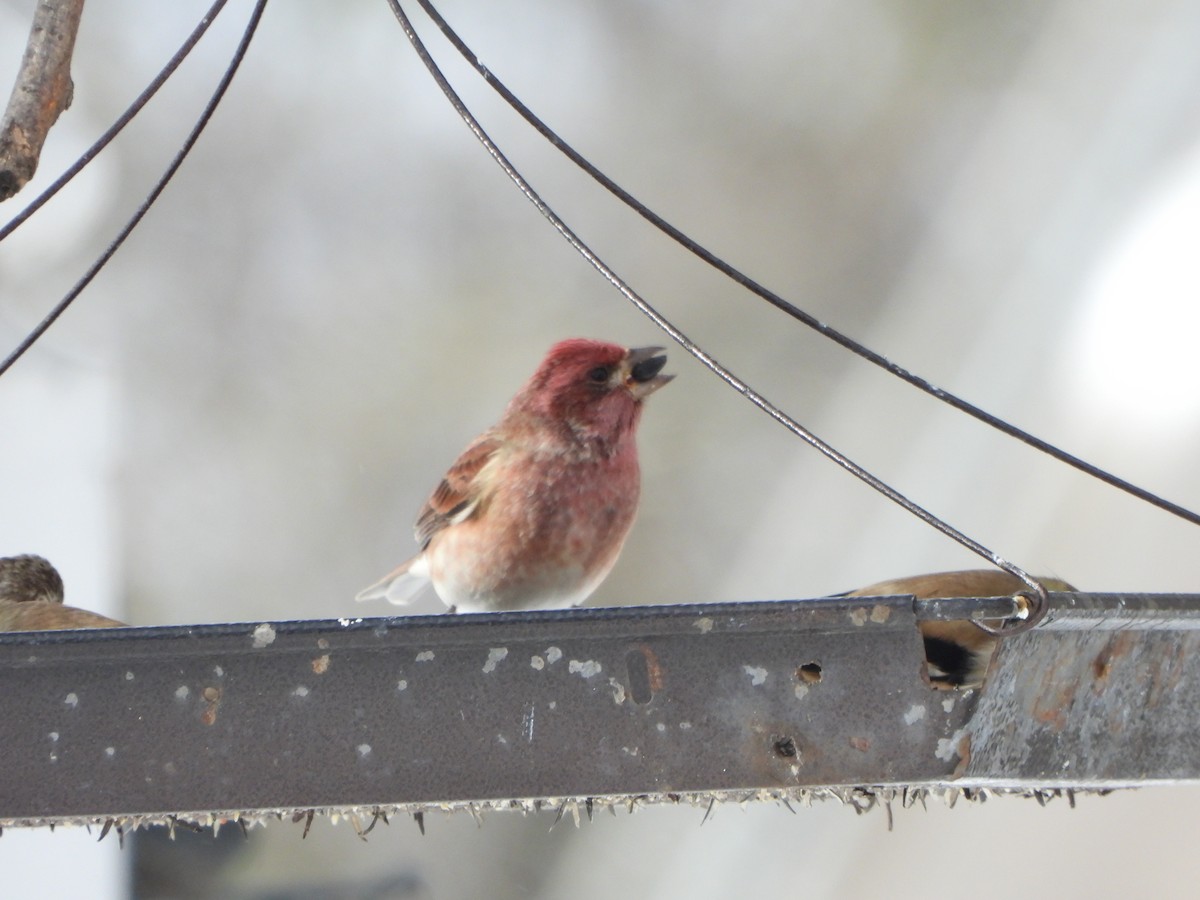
(968, 583)
(46, 615)
(457, 496)
(958, 652)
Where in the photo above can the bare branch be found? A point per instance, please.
(42, 91)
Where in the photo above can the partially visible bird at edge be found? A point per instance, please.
(534, 512)
(956, 651)
(31, 599)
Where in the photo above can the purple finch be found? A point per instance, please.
(533, 514)
(956, 651)
(31, 599)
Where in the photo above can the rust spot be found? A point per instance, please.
(880, 613)
(1055, 718)
(964, 756)
(645, 673)
(653, 667)
(1056, 693)
(861, 744)
(212, 700)
(1119, 645)
(320, 665)
(929, 682)
(322, 643)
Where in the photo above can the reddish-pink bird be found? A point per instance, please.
(535, 511)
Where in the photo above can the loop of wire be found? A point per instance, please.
(1031, 608)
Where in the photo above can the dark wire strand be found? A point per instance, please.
(1038, 592)
(222, 86)
(787, 307)
(124, 119)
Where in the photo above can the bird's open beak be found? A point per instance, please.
(640, 370)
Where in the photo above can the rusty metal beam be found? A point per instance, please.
(727, 700)
(1108, 695)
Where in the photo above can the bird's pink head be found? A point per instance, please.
(593, 388)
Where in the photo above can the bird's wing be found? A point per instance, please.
(46, 615)
(458, 495)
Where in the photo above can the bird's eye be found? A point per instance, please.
(598, 375)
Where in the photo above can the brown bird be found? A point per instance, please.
(957, 652)
(31, 599)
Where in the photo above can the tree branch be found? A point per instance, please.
(42, 91)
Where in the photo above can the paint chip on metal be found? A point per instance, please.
(947, 748)
(618, 690)
(587, 669)
(757, 674)
(494, 658)
(264, 636)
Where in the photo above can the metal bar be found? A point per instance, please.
(779, 698)
(1111, 707)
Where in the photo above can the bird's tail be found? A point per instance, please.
(401, 585)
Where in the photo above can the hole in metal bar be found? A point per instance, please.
(645, 674)
(809, 673)
(786, 747)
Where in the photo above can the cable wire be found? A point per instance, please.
(1037, 598)
(209, 109)
(124, 119)
(787, 307)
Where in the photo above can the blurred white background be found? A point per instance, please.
(241, 417)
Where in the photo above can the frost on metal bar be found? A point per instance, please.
(781, 699)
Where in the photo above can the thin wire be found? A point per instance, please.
(1038, 592)
(112, 248)
(780, 303)
(125, 118)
